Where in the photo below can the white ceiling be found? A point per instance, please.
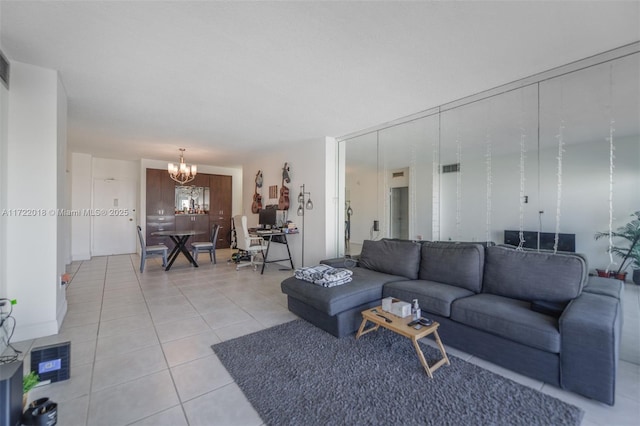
(228, 79)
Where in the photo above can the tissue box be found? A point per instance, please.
(386, 303)
(401, 309)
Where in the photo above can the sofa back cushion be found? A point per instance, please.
(391, 257)
(533, 276)
(458, 264)
(568, 253)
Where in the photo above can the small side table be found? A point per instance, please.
(399, 325)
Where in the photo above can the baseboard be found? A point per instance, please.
(75, 257)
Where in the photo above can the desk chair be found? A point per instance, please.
(210, 246)
(145, 250)
(247, 243)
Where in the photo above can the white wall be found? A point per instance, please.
(333, 215)
(63, 251)
(81, 184)
(36, 113)
(309, 162)
(4, 119)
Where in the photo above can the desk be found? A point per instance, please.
(275, 237)
(180, 239)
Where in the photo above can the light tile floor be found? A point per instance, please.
(141, 345)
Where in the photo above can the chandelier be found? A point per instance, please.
(182, 173)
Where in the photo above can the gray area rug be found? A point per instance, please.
(297, 374)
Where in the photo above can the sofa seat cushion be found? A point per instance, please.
(533, 276)
(433, 297)
(394, 257)
(554, 309)
(459, 264)
(509, 318)
(365, 286)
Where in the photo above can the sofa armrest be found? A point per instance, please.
(605, 287)
(590, 330)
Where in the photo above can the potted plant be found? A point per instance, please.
(630, 253)
(28, 382)
(635, 265)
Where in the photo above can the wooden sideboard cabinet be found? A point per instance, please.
(159, 223)
(220, 207)
(160, 208)
(161, 194)
(194, 222)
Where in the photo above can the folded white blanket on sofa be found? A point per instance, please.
(324, 275)
(312, 273)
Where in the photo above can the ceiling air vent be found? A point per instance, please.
(451, 168)
(4, 70)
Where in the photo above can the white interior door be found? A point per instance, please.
(113, 217)
(400, 213)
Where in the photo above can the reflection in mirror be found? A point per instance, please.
(560, 155)
(406, 178)
(361, 197)
(489, 167)
(590, 153)
(192, 199)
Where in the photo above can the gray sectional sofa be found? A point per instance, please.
(536, 313)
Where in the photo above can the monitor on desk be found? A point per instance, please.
(267, 218)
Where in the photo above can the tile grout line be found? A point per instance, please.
(95, 352)
(175, 387)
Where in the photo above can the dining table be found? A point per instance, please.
(180, 239)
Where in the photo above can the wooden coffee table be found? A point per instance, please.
(399, 325)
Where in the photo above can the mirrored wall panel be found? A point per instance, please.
(488, 167)
(406, 178)
(542, 164)
(590, 153)
(361, 191)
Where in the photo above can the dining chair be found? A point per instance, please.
(156, 250)
(207, 246)
(248, 243)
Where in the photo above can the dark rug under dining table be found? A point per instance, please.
(296, 373)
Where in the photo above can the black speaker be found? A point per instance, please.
(10, 393)
(52, 362)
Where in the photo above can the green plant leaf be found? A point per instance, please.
(29, 381)
(631, 233)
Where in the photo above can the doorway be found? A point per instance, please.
(113, 217)
(399, 213)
